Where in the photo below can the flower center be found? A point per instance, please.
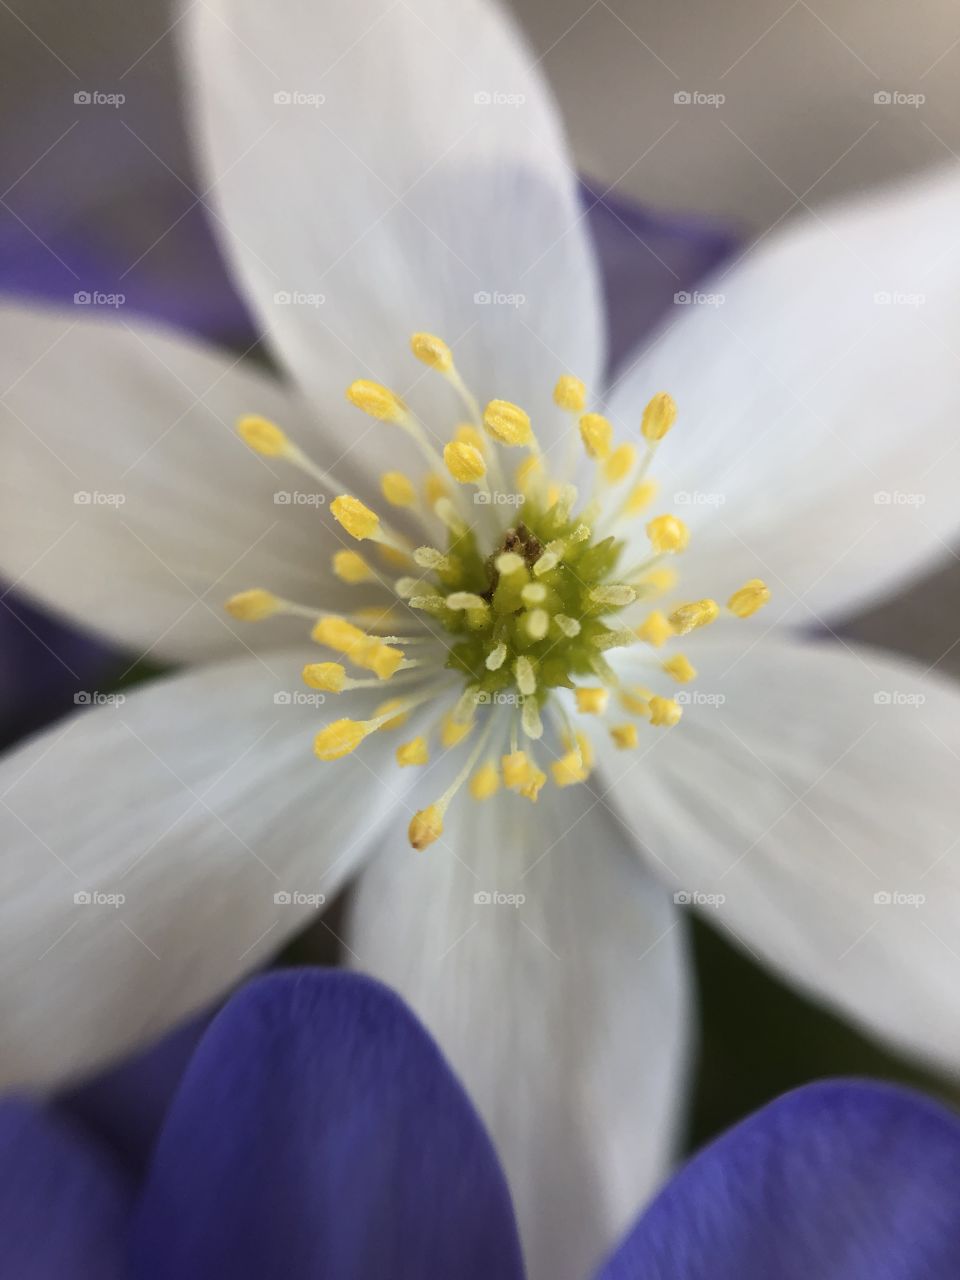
(511, 604)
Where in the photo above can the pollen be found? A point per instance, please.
(597, 435)
(464, 462)
(340, 738)
(664, 711)
(432, 351)
(398, 489)
(426, 827)
(485, 782)
(253, 606)
(376, 400)
(516, 767)
(680, 668)
(350, 566)
(658, 417)
(624, 736)
(692, 616)
(413, 752)
(591, 701)
(569, 770)
(668, 534)
(388, 708)
(382, 659)
(570, 394)
(337, 633)
(619, 464)
(263, 436)
(753, 595)
(453, 730)
(328, 676)
(434, 488)
(508, 423)
(358, 520)
(640, 497)
(655, 629)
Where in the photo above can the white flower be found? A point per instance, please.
(383, 170)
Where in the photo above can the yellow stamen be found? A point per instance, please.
(668, 533)
(340, 738)
(640, 497)
(467, 434)
(591, 701)
(515, 768)
(453, 730)
(657, 582)
(398, 489)
(619, 464)
(679, 668)
(636, 701)
(263, 436)
(382, 659)
(350, 566)
(624, 736)
(426, 827)
(658, 417)
(698, 613)
(387, 708)
(337, 633)
(569, 770)
(331, 677)
(753, 595)
(508, 423)
(254, 605)
(432, 351)
(434, 488)
(413, 752)
(655, 629)
(357, 518)
(597, 435)
(485, 782)
(526, 472)
(570, 393)
(664, 711)
(376, 400)
(533, 783)
(464, 462)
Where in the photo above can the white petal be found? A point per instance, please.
(816, 444)
(565, 1015)
(401, 200)
(198, 799)
(804, 780)
(128, 500)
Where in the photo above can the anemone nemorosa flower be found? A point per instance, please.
(386, 171)
(318, 1131)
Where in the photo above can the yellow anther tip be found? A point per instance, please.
(591, 701)
(453, 730)
(263, 436)
(515, 767)
(339, 739)
(376, 400)
(668, 533)
(508, 423)
(597, 435)
(252, 606)
(569, 770)
(328, 676)
(387, 708)
(658, 417)
(570, 393)
(413, 752)
(383, 660)
(664, 711)
(432, 351)
(464, 462)
(624, 736)
(655, 629)
(753, 595)
(350, 566)
(354, 516)
(485, 782)
(425, 827)
(689, 617)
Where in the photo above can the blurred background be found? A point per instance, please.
(810, 103)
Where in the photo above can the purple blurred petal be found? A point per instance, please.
(319, 1132)
(63, 1207)
(838, 1181)
(646, 258)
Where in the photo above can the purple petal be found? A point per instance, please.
(318, 1132)
(63, 1207)
(838, 1181)
(645, 259)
